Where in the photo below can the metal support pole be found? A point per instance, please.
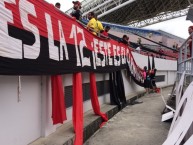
(185, 58)
(190, 3)
(179, 63)
(191, 61)
(185, 62)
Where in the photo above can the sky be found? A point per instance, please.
(178, 26)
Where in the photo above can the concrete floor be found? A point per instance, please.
(138, 124)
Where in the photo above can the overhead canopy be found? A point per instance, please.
(141, 10)
(136, 12)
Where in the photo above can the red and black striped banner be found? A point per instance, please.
(36, 38)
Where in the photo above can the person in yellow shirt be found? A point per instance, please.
(92, 24)
(99, 28)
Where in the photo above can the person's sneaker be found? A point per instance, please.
(145, 94)
(138, 101)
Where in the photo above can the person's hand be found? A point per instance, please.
(189, 41)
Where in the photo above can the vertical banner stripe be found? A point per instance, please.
(78, 108)
(58, 101)
(94, 98)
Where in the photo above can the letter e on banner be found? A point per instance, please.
(9, 46)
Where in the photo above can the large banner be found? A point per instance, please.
(36, 38)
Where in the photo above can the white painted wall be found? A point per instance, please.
(25, 121)
(160, 64)
(20, 122)
(171, 77)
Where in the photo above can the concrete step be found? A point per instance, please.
(64, 135)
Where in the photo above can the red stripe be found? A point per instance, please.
(94, 99)
(58, 105)
(78, 108)
(41, 8)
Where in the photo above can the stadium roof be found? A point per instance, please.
(137, 13)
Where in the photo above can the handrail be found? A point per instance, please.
(104, 37)
(183, 44)
(130, 31)
(185, 60)
(156, 52)
(149, 50)
(184, 63)
(187, 74)
(154, 41)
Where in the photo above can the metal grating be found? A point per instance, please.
(160, 78)
(102, 88)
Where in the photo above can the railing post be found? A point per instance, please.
(179, 62)
(191, 61)
(185, 57)
(185, 62)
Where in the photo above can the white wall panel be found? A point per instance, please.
(20, 122)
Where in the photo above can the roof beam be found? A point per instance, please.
(97, 7)
(157, 19)
(115, 8)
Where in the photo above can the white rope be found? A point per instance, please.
(190, 3)
(19, 89)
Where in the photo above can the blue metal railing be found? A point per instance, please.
(185, 59)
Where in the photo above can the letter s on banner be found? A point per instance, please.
(9, 46)
(25, 7)
(101, 46)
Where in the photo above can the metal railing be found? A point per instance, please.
(185, 59)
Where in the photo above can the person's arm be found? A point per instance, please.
(76, 14)
(100, 26)
(144, 75)
(189, 41)
(91, 25)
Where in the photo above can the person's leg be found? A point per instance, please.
(146, 87)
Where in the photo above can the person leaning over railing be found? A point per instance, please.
(58, 5)
(161, 52)
(95, 26)
(105, 32)
(76, 13)
(92, 24)
(189, 42)
(124, 40)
